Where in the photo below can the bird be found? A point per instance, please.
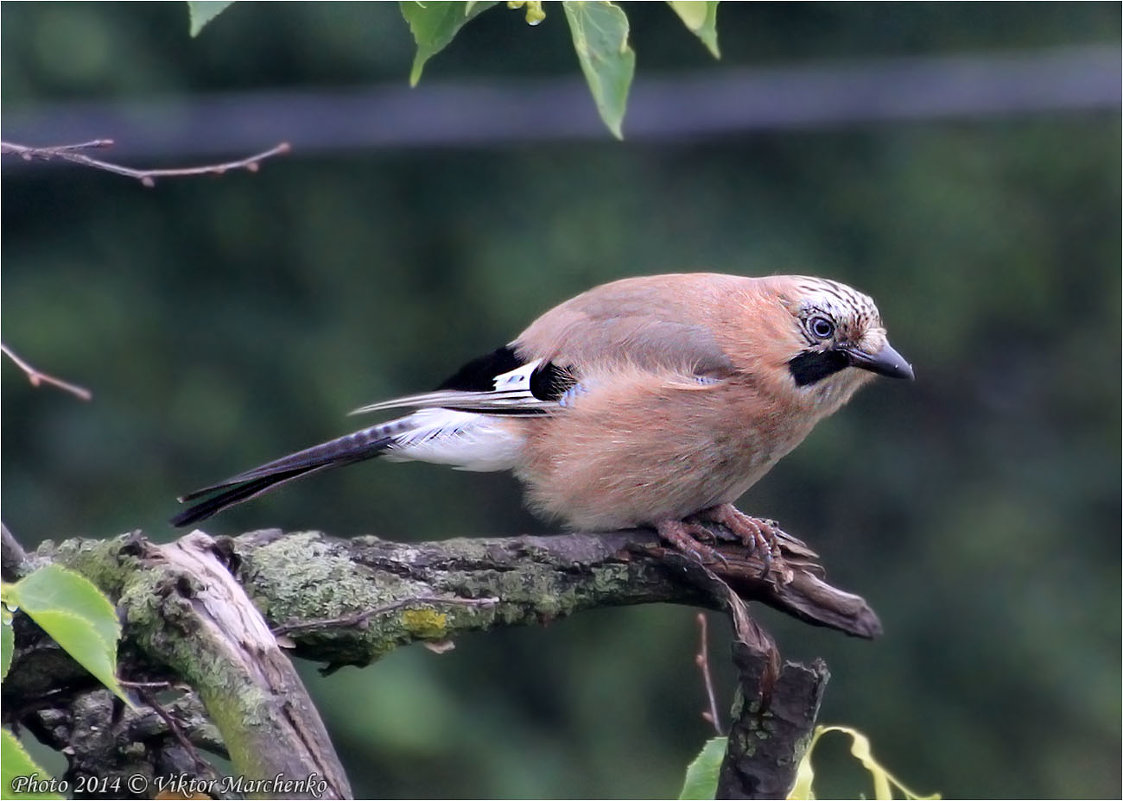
(652, 401)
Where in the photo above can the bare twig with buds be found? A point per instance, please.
(37, 377)
(72, 153)
(702, 660)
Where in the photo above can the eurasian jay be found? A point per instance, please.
(653, 401)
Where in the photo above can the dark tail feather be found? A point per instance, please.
(365, 444)
(237, 494)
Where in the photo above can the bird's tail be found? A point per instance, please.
(356, 447)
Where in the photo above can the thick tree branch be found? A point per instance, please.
(768, 740)
(184, 611)
(308, 576)
(343, 602)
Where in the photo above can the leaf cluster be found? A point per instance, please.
(599, 30)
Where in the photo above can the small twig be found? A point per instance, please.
(27, 153)
(146, 177)
(14, 557)
(36, 376)
(145, 685)
(359, 618)
(702, 660)
(149, 699)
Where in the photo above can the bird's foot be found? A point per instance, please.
(759, 535)
(691, 538)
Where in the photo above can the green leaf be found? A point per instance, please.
(55, 589)
(76, 615)
(81, 640)
(701, 776)
(7, 642)
(883, 781)
(600, 37)
(203, 11)
(434, 25)
(16, 762)
(700, 19)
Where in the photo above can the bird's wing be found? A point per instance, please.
(658, 323)
(661, 324)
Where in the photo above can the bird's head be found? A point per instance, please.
(837, 338)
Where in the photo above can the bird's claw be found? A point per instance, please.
(689, 537)
(761, 536)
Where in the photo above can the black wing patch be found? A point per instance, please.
(549, 382)
(479, 374)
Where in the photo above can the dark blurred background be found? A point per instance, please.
(960, 162)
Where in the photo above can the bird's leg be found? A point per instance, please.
(759, 535)
(687, 537)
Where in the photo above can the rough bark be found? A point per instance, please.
(189, 621)
(769, 737)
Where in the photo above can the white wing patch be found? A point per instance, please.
(511, 393)
(464, 440)
(517, 380)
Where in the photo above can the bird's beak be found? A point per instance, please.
(886, 362)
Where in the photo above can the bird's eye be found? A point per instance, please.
(820, 327)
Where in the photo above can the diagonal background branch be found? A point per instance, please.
(37, 377)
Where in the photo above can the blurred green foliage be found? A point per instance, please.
(222, 322)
